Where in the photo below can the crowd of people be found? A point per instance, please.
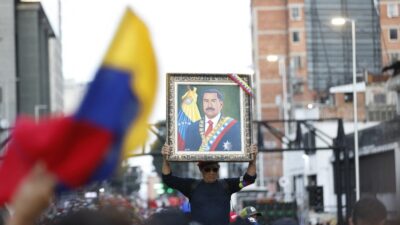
(367, 211)
(209, 198)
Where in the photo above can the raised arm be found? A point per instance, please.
(166, 151)
(252, 169)
(33, 196)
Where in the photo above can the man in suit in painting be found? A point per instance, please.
(213, 132)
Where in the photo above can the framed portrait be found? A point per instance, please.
(209, 117)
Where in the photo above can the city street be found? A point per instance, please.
(224, 112)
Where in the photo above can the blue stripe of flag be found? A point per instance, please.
(110, 102)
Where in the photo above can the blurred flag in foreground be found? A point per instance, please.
(188, 114)
(110, 123)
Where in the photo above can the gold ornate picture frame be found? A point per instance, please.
(209, 117)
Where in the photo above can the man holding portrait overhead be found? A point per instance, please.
(213, 131)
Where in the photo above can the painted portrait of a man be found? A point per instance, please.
(209, 121)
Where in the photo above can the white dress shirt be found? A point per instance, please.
(214, 120)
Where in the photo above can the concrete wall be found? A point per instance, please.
(320, 164)
(33, 59)
(8, 65)
(56, 76)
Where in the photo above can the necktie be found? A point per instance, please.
(210, 128)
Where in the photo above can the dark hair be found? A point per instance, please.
(369, 210)
(215, 91)
(203, 164)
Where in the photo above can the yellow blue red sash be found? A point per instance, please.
(210, 142)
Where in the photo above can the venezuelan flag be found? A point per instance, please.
(110, 123)
(188, 114)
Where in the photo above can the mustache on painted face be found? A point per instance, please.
(210, 109)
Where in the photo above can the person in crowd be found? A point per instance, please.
(35, 194)
(240, 221)
(368, 211)
(210, 196)
(167, 217)
(250, 213)
(95, 217)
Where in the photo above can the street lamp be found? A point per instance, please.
(339, 21)
(282, 72)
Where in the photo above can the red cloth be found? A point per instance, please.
(232, 217)
(70, 149)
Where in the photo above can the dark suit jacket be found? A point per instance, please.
(229, 141)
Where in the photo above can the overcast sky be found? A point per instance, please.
(193, 36)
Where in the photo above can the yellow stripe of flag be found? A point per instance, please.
(131, 50)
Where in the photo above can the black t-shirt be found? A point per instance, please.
(210, 202)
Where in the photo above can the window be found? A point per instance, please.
(393, 35)
(295, 13)
(297, 62)
(394, 57)
(381, 114)
(295, 36)
(298, 88)
(348, 97)
(392, 10)
(380, 99)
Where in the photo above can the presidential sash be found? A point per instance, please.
(210, 142)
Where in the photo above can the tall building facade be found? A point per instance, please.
(313, 56)
(36, 41)
(329, 48)
(390, 37)
(56, 84)
(317, 64)
(8, 64)
(279, 30)
(30, 61)
(390, 30)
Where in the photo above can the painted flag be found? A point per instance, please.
(188, 114)
(109, 124)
